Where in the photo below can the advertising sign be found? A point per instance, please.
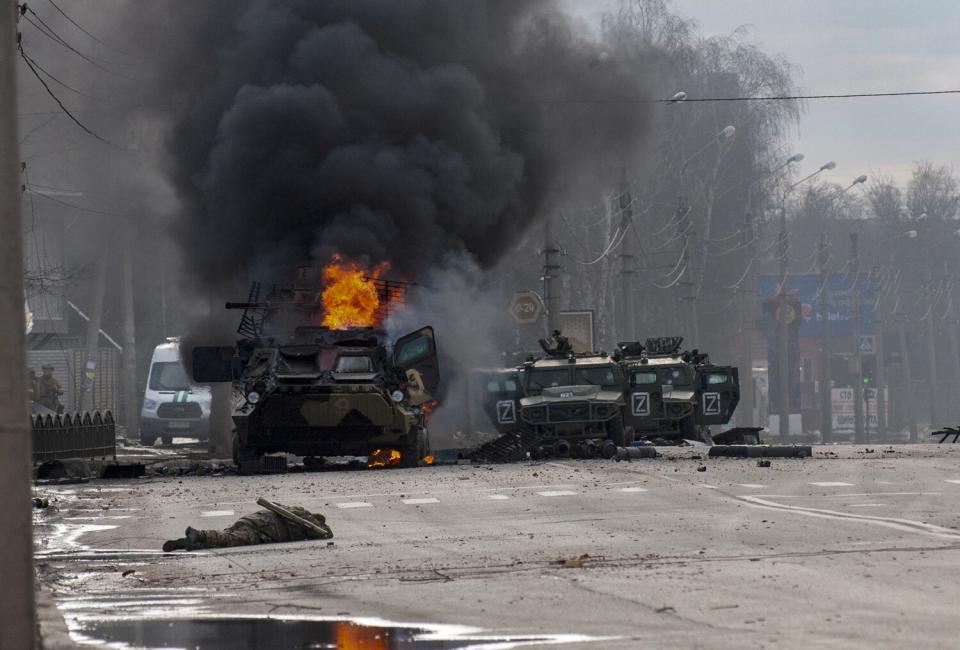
(843, 413)
(839, 302)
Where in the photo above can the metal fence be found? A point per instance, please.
(81, 435)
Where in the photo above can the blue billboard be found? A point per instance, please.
(805, 289)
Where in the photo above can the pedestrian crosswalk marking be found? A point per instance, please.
(709, 487)
(953, 480)
(752, 485)
(557, 493)
(633, 489)
(832, 484)
(417, 502)
(497, 497)
(354, 504)
(217, 513)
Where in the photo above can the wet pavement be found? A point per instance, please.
(856, 547)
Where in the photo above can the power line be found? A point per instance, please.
(768, 98)
(80, 27)
(73, 206)
(30, 64)
(50, 33)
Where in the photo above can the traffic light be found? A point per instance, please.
(869, 371)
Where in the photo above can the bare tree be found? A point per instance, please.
(933, 190)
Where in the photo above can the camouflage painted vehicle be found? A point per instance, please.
(318, 392)
(561, 404)
(574, 400)
(676, 395)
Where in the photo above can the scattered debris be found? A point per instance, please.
(41, 502)
(763, 463)
(702, 468)
(125, 470)
(574, 562)
(128, 572)
(665, 609)
(946, 432)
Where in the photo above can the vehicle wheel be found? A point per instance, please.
(616, 432)
(167, 440)
(412, 455)
(147, 440)
(243, 457)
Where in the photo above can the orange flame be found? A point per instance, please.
(350, 297)
(429, 460)
(383, 458)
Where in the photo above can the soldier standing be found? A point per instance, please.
(262, 527)
(32, 385)
(49, 390)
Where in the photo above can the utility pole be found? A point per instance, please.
(747, 240)
(932, 350)
(628, 325)
(131, 401)
(93, 332)
(881, 372)
(907, 371)
(16, 534)
(783, 334)
(551, 272)
(858, 433)
(826, 390)
(687, 310)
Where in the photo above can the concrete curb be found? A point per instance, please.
(52, 631)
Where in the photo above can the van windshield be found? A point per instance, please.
(169, 375)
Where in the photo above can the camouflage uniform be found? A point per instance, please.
(262, 527)
(49, 390)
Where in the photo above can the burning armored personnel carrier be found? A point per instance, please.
(310, 380)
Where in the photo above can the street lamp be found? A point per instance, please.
(859, 180)
(678, 97)
(747, 404)
(783, 334)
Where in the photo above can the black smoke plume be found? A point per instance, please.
(400, 131)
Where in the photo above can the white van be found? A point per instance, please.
(172, 405)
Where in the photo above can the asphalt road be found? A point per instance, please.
(857, 551)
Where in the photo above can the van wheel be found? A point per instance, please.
(167, 440)
(617, 433)
(147, 440)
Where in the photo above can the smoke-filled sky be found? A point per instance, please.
(396, 130)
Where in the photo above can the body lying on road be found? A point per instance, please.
(262, 527)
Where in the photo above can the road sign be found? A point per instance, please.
(868, 344)
(526, 307)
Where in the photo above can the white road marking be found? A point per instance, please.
(354, 504)
(417, 502)
(633, 489)
(753, 486)
(903, 525)
(952, 480)
(709, 487)
(866, 505)
(217, 513)
(498, 497)
(558, 493)
(832, 484)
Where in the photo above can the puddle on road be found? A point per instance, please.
(295, 634)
